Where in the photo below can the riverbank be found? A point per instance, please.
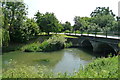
(37, 40)
(100, 68)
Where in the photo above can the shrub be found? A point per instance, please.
(52, 44)
(31, 47)
(67, 31)
(100, 68)
(67, 45)
(77, 31)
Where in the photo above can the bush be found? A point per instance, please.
(31, 47)
(100, 68)
(77, 31)
(67, 45)
(52, 44)
(67, 31)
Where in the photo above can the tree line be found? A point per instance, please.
(17, 27)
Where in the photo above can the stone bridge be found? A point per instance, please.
(96, 44)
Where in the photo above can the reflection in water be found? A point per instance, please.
(70, 62)
(66, 60)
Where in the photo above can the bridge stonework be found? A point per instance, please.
(96, 44)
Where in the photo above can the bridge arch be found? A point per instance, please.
(105, 49)
(86, 44)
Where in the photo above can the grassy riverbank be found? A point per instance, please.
(54, 43)
(40, 43)
(100, 68)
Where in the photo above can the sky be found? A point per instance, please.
(66, 10)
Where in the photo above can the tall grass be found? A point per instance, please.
(100, 68)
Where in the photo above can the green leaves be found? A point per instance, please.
(102, 11)
(48, 22)
(100, 68)
(104, 18)
(52, 44)
(5, 37)
(67, 26)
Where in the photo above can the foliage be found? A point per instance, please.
(48, 22)
(77, 23)
(67, 31)
(14, 16)
(0, 37)
(69, 44)
(67, 26)
(5, 37)
(100, 68)
(29, 30)
(24, 71)
(82, 23)
(52, 44)
(102, 11)
(77, 31)
(21, 29)
(31, 47)
(104, 18)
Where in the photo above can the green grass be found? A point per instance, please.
(66, 36)
(100, 68)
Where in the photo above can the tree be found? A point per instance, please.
(5, 37)
(77, 23)
(38, 18)
(102, 11)
(14, 13)
(48, 22)
(103, 21)
(67, 26)
(103, 17)
(82, 23)
(14, 16)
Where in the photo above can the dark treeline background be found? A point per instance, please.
(17, 27)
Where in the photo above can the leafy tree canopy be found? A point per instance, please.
(48, 22)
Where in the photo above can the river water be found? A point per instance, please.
(66, 60)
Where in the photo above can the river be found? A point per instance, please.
(66, 60)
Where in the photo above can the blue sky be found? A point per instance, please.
(66, 10)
